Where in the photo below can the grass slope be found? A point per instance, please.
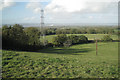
(73, 62)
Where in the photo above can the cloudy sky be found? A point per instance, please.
(59, 11)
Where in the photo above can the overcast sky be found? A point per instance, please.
(59, 11)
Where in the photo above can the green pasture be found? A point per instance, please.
(76, 61)
(90, 36)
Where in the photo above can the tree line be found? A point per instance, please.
(17, 37)
(82, 30)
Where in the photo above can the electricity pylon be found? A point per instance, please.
(42, 27)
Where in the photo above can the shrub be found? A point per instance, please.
(106, 38)
(59, 39)
(67, 43)
(78, 39)
(74, 39)
(83, 39)
(63, 40)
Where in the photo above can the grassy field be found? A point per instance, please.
(76, 61)
(90, 36)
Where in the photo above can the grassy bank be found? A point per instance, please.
(76, 61)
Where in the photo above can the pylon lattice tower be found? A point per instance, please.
(42, 27)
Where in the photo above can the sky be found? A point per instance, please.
(59, 11)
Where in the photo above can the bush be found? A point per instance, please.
(78, 39)
(17, 37)
(59, 39)
(83, 39)
(63, 40)
(74, 39)
(107, 38)
(67, 43)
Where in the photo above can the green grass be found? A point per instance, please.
(73, 62)
(90, 36)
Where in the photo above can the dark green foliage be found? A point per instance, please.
(78, 39)
(13, 37)
(107, 38)
(83, 39)
(59, 39)
(17, 38)
(50, 31)
(62, 39)
(83, 30)
(80, 30)
(92, 31)
(33, 35)
(74, 39)
(67, 43)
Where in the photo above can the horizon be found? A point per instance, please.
(64, 24)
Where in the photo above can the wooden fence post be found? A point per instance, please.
(96, 47)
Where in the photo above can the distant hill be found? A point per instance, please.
(65, 24)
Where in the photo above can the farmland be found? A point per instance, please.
(24, 56)
(76, 61)
(89, 36)
(59, 39)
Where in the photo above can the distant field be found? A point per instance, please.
(73, 62)
(90, 36)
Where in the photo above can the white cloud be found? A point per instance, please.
(65, 5)
(71, 6)
(29, 18)
(6, 3)
(36, 7)
(67, 10)
(81, 10)
(78, 5)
